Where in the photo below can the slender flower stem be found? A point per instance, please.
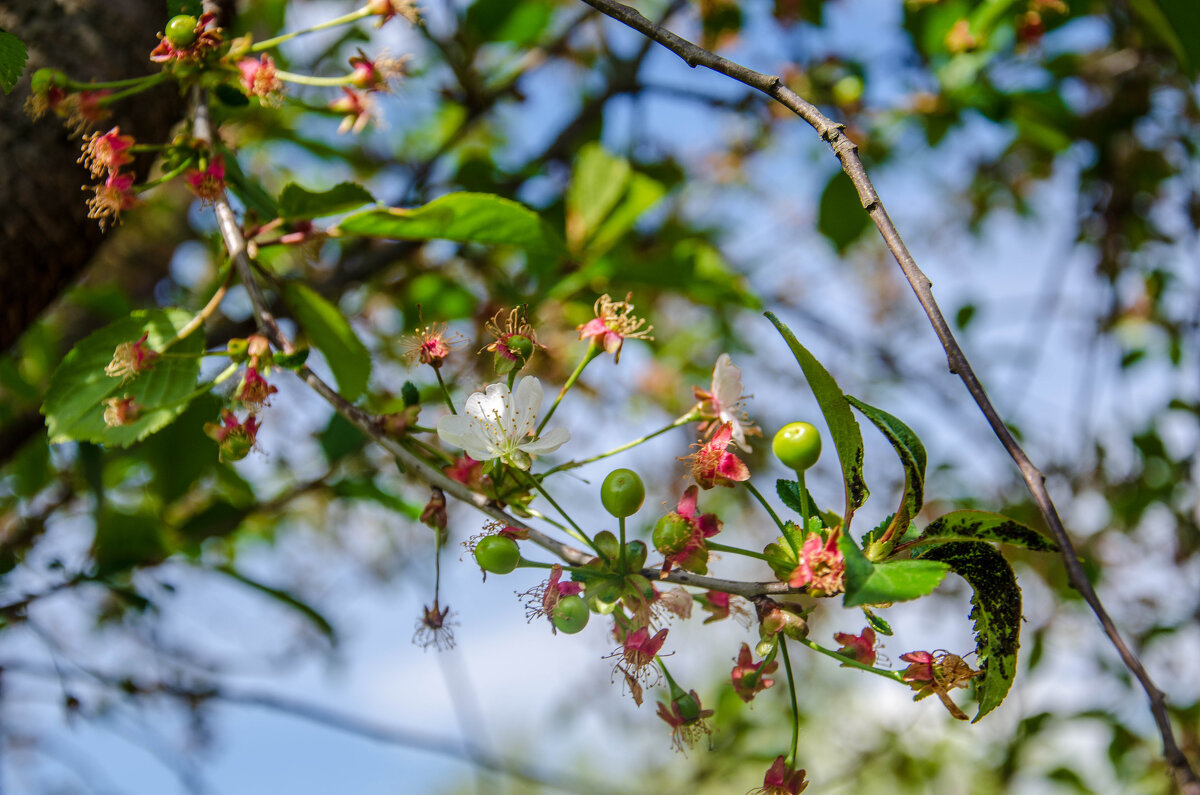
(621, 553)
(803, 497)
(684, 420)
(445, 391)
(574, 531)
(145, 84)
(764, 502)
(592, 352)
(346, 19)
(204, 313)
(715, 547)
(76, 85)
(165, 178)
(787, 666)
(895, 676)
(430, 449)
(533, 564)
(148, 147)
(313, 80)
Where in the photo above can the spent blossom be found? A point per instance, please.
(514, 342)
(357, 108)
(434, 628)
(235, 439)
(390, 8)
(722, 404)
(206, 40)
(820, 566)
(131, 358)
(687, 718)
(713, 465)
(121, 411)
(860, 648)
(497, 424)
(691, 552)
(255, 391)
(750, 678)
(105, 153)
(614, 323)
(429, 345)
(112, 196)
(375, 74)
(635, 657)
(782, 779)
(208, 184)
(542, 599)
(260, 79)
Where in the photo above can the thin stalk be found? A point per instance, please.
(764, 502)
(345, 19)
(592, 352)
(574, 531)
(787, 666)
(445, 390)
(621, 553)
(148, 83)
(167, 177)
(533, 564)
(895, 676)
(428, 448)
(204, 313)
(76, 85)
(715, 547)
(313, 80)
(684, 420)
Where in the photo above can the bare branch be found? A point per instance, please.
(847, 152)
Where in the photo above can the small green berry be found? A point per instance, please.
(181, 31)
(622, 493)
(797, 445)
(571, 614)
(497, 554)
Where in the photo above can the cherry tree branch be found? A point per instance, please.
(847, 152)
(410, 463)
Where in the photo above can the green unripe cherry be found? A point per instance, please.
(672, 534)
(622, 493)
(797, 445)
(181, 31)
(571, 614)
(497, 554)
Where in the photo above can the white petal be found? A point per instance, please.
(727, 382)
(548, 442)
(464, 432)
(527, 402)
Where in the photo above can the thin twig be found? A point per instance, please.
(235, 243)
(847, 152)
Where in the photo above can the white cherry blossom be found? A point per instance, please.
(500, 424)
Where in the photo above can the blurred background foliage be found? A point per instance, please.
(1041, 158)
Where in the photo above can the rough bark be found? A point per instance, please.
(46, 238)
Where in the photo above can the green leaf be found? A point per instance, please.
(996, 612)
(330, 332)
(840, 216)
(287, 599)
(598, 180)
(644, 192)
(870, 583)
(1176, 23)
(789, 494)
(126, 540)
(12, 60)
(253, 195)
(463, 217)
(192, 8)
(74, 405)
(230, 96)
(340, 438)
(912, 457)
(843, 428)
(984, 526)
(877, 623)
(297, 203)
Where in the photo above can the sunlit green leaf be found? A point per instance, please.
(74, 405)
(847, 438)
(12, 60)
(330, 332)
(870, 583)
(297, 203)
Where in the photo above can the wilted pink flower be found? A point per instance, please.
(781, 780)
(131, 358)
(749, 677)
(208, 184)
(860, 648)
(820, 566)
(105, 153)
(713, 465)
(614, 323)
(112, 196)
(358, 108)
(687, 719)
(259, 78)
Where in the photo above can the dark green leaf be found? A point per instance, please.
(984, 526)
(464, 217)
(366, 489)
(291, 361)
(285, 598)
(193, 8)
(598, 180)
(912, 457)
(230, 96)
(12, 60)
(297, 203)
(340, 438)
(248, 190)
(870, 583)
(330, 332)
(74, 406)
(996, 612)
(789, 493)
(847, 438)
(125, 540)
(877, 623)
(841, 216)
(218, 519)
(1176, 23)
